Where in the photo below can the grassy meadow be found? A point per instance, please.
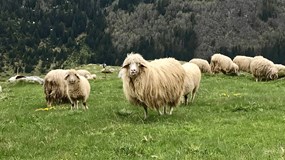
(231, 118)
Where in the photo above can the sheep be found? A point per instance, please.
(202, 64)
(192, 81)
(281, 70)
(224, 64)
(0, 89)
(154, 84)
(86, 74)
(32, 79)
(78, 88)
(243, 62)
(54, 87)
(263, 69)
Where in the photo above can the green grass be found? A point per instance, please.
(231, 118)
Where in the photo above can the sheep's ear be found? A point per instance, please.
(143, 64)
(66, 76)
(77, 76)
(125, 65)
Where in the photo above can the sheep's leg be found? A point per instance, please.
(185, 99)
(72, 105)
(77, 104)
(145, 111)
(159, 111)
(164, 110)
(85, 105)
(171, 109)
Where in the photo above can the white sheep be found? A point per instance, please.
(32, 79)
(243, 62)
(281, 70)
(263, 69)
(55, 87)
(78, 88)
(154, 84)
(192, 81)
(224, 64)
(202, 64)
(86, 74)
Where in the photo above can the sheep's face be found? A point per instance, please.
(72, 78)
(133, 69)
(273, 73)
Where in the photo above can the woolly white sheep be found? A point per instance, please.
(243, 63)
(33, 79)
(78, 88)
(263, 69)
(281, 70)
(154, 84)
(224, 64)
(202, 64)
(86, 74)
(192, 81)
(55, 87)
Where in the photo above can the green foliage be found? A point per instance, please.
(48, 31)
(231, 118)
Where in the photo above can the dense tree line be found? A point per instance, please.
(39, 35)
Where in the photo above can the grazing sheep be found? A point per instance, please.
(243, 63)
(0, 89)
(55, 87)
(281, 70)
(154, 84)
(86, 74)
(263, 69)
(202, 64)
(224, 64)
(78, 88)
(192, 81)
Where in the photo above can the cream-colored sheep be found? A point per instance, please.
(263, 69)
(55, 87)
(154, 84)
(78, 88)
(281, 70)
(192, 81)
(243, 63)
(202, 64)
(224, 64)
(86, 74)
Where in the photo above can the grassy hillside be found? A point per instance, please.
(231, 118)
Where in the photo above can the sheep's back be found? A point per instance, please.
(243, 62)
(202, 64)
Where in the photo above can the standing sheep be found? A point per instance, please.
(192, 81)
(154, 84)
(78, 88)
(54, 87)
(243, 63)
(202, 64)
(263, 69)
(224, 64)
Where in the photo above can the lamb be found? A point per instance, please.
(281, 70)
(243, 63)
(192, 81)
(54, 87)
(86, 74)
(263, 69)
(78, 88)
(224, 64)
(154, 84)
(202, 64)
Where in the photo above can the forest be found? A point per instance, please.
(39, 35)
